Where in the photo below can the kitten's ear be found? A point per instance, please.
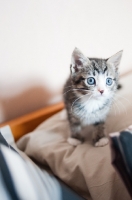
(78, 60)
(115, 59)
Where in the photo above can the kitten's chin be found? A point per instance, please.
(100, 96)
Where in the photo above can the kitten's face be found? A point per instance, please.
(100, 81)
(98, 77)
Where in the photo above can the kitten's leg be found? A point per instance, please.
(100, 138)
(129, 128)
(76, 137)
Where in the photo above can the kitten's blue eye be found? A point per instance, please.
(91, 81)
(109, 81)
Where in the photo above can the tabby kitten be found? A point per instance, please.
(89, 93)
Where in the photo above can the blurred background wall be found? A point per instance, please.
(37, 38)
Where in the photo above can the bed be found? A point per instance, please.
(85, 169)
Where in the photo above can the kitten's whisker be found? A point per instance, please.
(118, 101)
(75, 89)
(67, 91)
(70, 86)
(115, 101)
(123, 106)
(124, 99)
(78, 99)
(67, 86)
(116, 106)
(113, 105)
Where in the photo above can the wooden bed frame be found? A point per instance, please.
(27, 123)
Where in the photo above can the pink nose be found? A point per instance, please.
(101, 91)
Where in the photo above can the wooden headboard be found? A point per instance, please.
(29, 122)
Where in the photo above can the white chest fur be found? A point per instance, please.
(92, 111)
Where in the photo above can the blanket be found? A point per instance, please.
(85, 168)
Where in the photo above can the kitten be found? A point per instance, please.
(89, 93)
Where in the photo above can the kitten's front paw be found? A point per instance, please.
(102, 142)
(73, 141)
(130, 128)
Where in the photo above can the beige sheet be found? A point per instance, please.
(84, 168)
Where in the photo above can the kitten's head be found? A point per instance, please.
(97, 76)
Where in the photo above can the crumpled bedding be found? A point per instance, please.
(85, 168)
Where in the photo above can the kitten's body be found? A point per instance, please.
(89, 104)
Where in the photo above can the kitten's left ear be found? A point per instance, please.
(115, 59)
(78, 60)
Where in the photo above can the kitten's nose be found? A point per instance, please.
(101, 91)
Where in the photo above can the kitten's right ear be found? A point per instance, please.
(115, 59)
(78, 60)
